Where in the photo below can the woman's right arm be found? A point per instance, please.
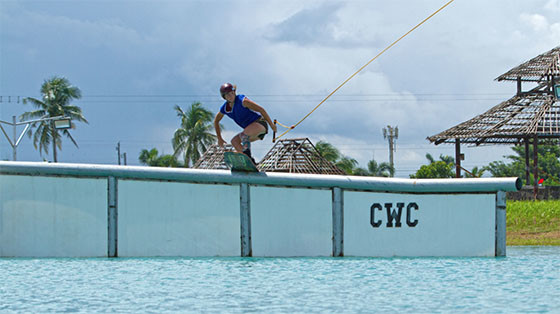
(217, 120)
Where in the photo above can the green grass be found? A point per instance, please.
(533, 222)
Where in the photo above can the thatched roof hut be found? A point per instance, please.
(531, 116)
(297, 155)
(288, 155)
(213, 158)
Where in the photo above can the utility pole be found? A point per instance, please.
(119, 153)
(391, 134)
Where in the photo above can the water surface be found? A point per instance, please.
(527, 280)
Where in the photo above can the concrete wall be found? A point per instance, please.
(291, 222)
(93, 210)
(52, 216)
(177, 219)
(449, 224)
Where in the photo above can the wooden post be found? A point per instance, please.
(535, 167)
(518, 86)
(527, 165)
(457, 158)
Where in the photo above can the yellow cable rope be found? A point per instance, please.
(348, 79)
(282, 125)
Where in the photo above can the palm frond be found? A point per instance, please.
(32, 115)
(65, 132)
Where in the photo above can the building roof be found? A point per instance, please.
(529, 114)
(287, 155)
(297, 155)
(213, 158)
(536, 69)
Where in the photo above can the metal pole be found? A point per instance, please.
(15, 136)
(119, 153)
(338, 222)
(112, 217)
(14, 147)
(457, 158)
(245, 217)
(500, 249)
(27, 124)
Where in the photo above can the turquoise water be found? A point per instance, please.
(528, 280)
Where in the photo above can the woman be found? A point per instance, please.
(247, 114)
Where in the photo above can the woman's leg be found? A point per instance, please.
(253, 130)
(242, 141)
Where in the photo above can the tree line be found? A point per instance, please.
(195, 135)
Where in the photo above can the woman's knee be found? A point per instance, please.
(235, 140)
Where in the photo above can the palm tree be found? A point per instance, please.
(151, 158)
(445, 158)
(383, 169)
(327, 151)
(430, 158)
(195, 134)
(475, 172)
(360, 172)
(57, 94)
(347, 164)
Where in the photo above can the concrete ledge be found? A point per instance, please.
(269, 179)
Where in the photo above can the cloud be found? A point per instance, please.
(549, 31)
(308, 26)
(342, 25)
(285, 55)
(553, 5)
(538, 22)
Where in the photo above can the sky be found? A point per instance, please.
(135, 60)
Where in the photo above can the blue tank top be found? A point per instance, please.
(242, 115)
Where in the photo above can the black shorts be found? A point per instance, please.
(262, 121)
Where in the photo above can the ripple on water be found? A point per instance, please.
(527, 280)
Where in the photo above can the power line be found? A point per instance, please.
(15, 98)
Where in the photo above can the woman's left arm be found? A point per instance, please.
(253, 106)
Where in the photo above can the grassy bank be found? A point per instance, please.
(533, 222)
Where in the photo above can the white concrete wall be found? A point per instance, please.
(177, 219)
(52, 217)
(47, 215)
(291, 222)
(447, 225)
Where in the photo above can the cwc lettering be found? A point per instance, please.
(393, 215)
(408, 222)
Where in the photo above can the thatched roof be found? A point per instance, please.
(296, 156)
(536, 69)
(508, 123)
(529, 114)
(288, 155)
(213, 158)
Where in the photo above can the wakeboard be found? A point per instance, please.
(239, 162)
